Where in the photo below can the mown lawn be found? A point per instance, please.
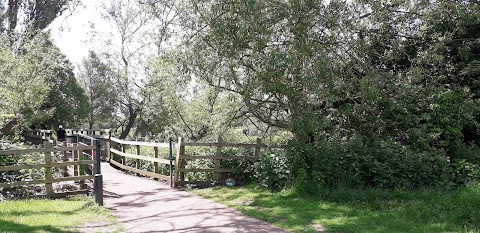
(56, 216)
(358, 210)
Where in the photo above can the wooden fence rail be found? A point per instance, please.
(117, 148)
(156, 160)
(90, 131)
(74, 149)
(182, 157)
(36, 136)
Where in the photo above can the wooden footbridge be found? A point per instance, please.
(139, 204)
(78, 159)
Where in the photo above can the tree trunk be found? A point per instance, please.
(12, 12)
(90, 123)
(8, 127)
(131, 121)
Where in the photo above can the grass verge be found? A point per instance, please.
(56, 216)
(358, 210)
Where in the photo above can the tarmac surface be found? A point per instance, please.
(144, 205)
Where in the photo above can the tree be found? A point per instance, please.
(453, 42)
(338, 69)
(66, 99)
(280, 57)
(97, 78)
(129, 51)
(38, 82)
(25, 76)
(36, 15)
(34, 73)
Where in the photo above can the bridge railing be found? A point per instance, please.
(37, 136)
(151, 159)
(158, 160)
(90, 132)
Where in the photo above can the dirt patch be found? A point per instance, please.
(244, 203)
(319, 228)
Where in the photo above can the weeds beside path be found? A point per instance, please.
(358, 211)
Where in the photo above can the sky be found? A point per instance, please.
(70, 31)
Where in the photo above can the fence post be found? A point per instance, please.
(155, 164)
(80, 170)
(123, 157)
(76, 155)
(107, 149)
(94, 152)
(137, 161)
(48, 169)
(48, 135)
(180, 151)
(68, 139)
(218, 153)
(183, 162)
(65, 159)
(98, 182)
(257, 149)
(170, 155)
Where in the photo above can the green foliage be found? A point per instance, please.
(66, 99)
(33, 14)
(97, 78)
(25, 75)
(38, 82)
(404, 72)
(364, 163)
(244, 169)
(273, 170)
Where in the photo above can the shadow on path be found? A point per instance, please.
(144, 205)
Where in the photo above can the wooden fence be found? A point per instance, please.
(182, 158)
(90, 132)
(115, 152)
(118, 148)
(37, 136)
(75, 152)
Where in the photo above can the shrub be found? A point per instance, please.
(272, 171)
(363, 163)
(244, 169)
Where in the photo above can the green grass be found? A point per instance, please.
(358, 210)
(56, 216)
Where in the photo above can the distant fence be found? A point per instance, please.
(182, 158)
(91, 132)
(158, 160)
(37, 136)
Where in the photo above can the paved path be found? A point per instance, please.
(143, 205)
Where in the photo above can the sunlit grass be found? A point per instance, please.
(50, 215)
(358, 210)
